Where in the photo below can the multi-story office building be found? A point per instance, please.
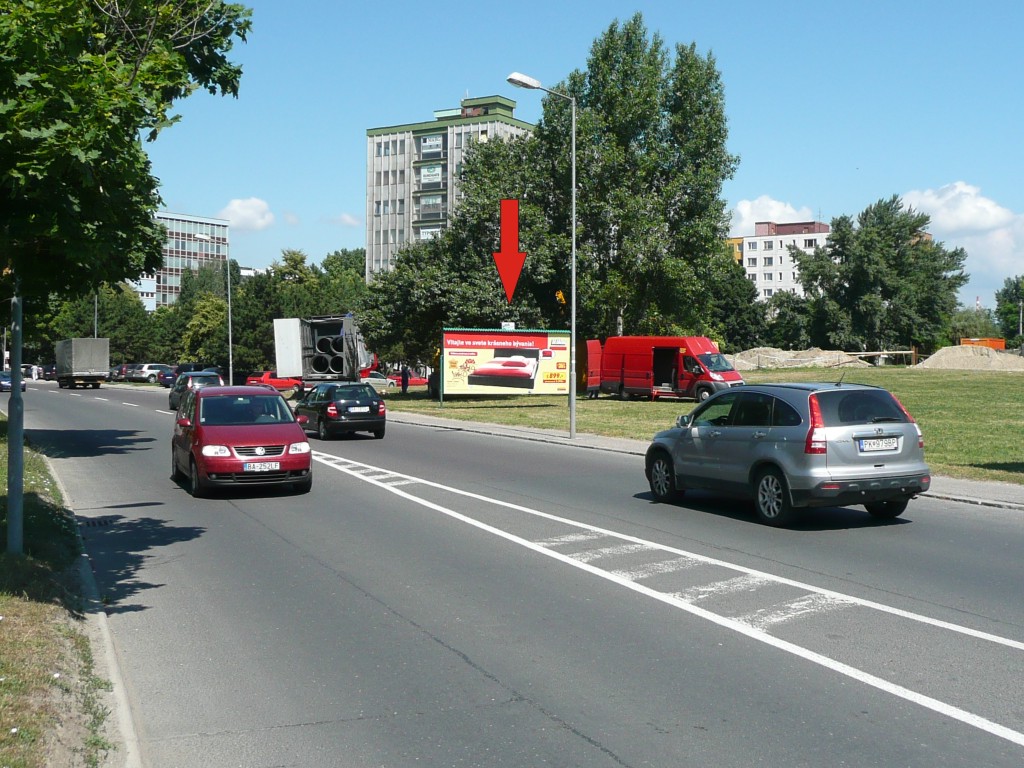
(766, 258)
(192, 242)
(412, 173)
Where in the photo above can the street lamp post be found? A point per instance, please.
(227, 275)
(520, 80)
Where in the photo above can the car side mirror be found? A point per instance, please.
(184, 422)
(302, 419)
(683, 421)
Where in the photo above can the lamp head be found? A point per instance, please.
(519, 80)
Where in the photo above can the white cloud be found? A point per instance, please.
(292, 219)
(348, 220)
(251, 214)
(959, 207)
(749, 212)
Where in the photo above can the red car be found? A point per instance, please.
(239, 436)
(414, 380)
(271, 379)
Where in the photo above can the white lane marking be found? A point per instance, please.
(808, 605)
(746, 583)
(130, 405)
(570, 538)
(657, 569)
(97, 397)
(927, 702)
(620, 549)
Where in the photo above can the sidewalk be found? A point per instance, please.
(988, 494)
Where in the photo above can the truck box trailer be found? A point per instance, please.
(82, 362)
(321, 348)
(659, 366)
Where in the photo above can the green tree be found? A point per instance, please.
(973, 323)
(1009, 301)
(116, 313)
(788, 322)
(79, 81)
(650, 145)
(881, 282)
(206, 332)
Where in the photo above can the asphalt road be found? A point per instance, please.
(443, 598)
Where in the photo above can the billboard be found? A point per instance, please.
(504, 362)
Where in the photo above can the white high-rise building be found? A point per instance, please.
(766, 258)
(412, 173)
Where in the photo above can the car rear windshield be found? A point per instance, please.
(859, 406)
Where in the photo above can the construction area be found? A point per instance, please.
(970, 358)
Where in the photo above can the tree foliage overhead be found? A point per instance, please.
(881, 282)
(651, 162)
(79, 81)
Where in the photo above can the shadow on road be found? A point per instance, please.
(74, 443)
(118, 545)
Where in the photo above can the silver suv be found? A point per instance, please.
(795, 445)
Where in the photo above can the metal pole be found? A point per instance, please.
(572, 330)
(231, 359)
(16, 435)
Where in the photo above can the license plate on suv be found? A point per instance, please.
(261, 466)
(870, 444)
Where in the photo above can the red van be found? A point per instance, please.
(659, 366)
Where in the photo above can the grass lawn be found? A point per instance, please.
(982, 442)
(49, 705)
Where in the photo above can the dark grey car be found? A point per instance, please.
(795, 445)
(191, 380)
(339, 407)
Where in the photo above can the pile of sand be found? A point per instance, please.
(971, 358)
(772, 357)
(968, 358)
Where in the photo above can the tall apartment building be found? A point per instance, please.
(192, 242)
(765, 255)
(412, 173)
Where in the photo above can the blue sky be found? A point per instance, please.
(832, 106)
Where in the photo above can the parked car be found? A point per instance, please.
(50, 372)
(118, 372)
(166, 378)
(190, 381)
(333, 408)
(181, 368)
(379, 381)
(7, 384)
(271, 379)
(147, 372)
(239, 436)
(415, 380)
(795, 445)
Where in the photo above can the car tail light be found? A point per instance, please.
(382, 409)
(332, 411)
(920, 437)
(816, 441)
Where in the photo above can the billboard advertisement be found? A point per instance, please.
(505, 362)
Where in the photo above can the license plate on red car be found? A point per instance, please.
(878, 444)
(261, 466)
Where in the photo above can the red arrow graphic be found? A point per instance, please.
(509, 260)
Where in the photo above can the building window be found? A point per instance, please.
(810, 242)
(751, 246)
(401, 206)
(385, 207)
(768, 277)
(376, 208)
(769, 261)
(401, 146)
(768, 293)
(769, 245)
(753, 277)
(751, 261)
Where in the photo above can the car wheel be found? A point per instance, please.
(703, 394)
(886, 509)
(321, 430)
(151, 379)
(663, 478)
(195, 485)
(304, 486)
(772, 499)
(171, 405)
(379, 433)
